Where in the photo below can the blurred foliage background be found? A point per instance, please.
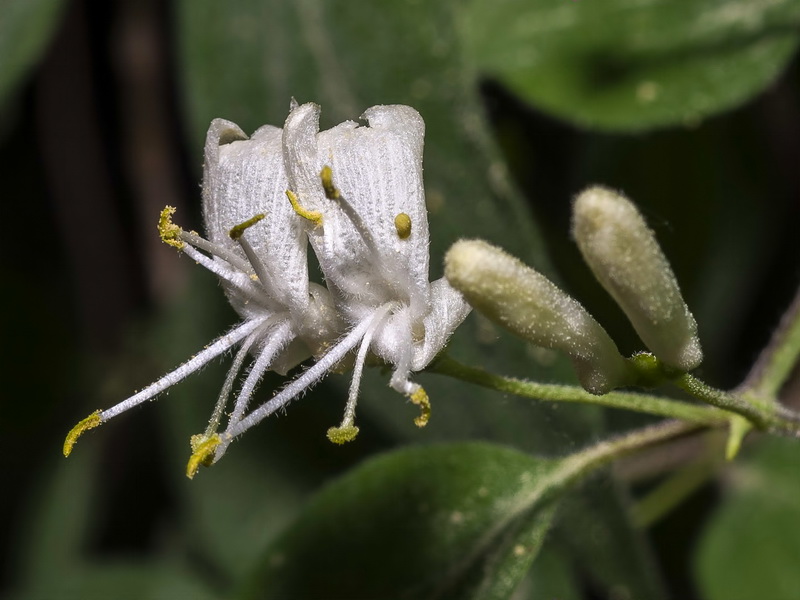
(690, 108)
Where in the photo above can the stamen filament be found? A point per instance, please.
(237, 279)
(304, 381)
(230, 257)
(333, 193)
(278, 339)
(230, 378)
(265, 276)
(221, 345)
(347, 431)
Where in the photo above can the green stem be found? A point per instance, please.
(577, 465)
(663, 407)
(776, 361)
(763, 414)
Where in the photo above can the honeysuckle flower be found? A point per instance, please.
(361, 193)
(257, 248)
(531, 306)
(627, 260)
(263, 198)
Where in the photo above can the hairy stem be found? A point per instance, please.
(663, 407)
(581, 463)
(763, 414)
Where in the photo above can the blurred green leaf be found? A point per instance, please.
(54, 562)
(25, 28)
(624, 65)
(121, 581)
(750, 547)
(450, 521)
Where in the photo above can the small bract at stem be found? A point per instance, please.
(531, 306)
(628, 262)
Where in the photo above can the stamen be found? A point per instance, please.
(221, 345)
(238, 230)
(420, 398)
(222, 400)
(169, 232)
(178, 238)
(230, 257)
(90, 422)
(203, 449)
(263, 272)
(304, 381)
(241, 281)
(333, 193)
(277, 341)
(402, 223)
(312, 215)
(347, 431)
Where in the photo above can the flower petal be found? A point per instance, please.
(244, 177)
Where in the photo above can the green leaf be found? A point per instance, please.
(25, 28)
(749, 549)
(120, 581)
(451, 521)
(624, 65)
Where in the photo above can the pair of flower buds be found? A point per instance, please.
(625, 257)
(356, 194)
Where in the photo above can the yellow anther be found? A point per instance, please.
(420, 398)
(402, 222)
(312, 215)
(203, 448)
(90, 422)
(169, 232)
(238, 230)
(343, 434)
(331, 192)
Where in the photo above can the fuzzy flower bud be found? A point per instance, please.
(627, 260)
(531, 306)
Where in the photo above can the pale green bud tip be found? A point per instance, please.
(529, 305)
(626, 259)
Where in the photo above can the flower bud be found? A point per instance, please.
(531, 306)
(627, 260)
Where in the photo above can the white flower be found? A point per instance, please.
(263, 198)
(257, 247)
(361, 192)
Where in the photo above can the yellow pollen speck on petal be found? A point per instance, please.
(237, 231)
(402, 222)
(169, 232)
(420, 398)
(331, 192)
(311, 215)
(203, 448)
(342, 435)
(90, 422)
